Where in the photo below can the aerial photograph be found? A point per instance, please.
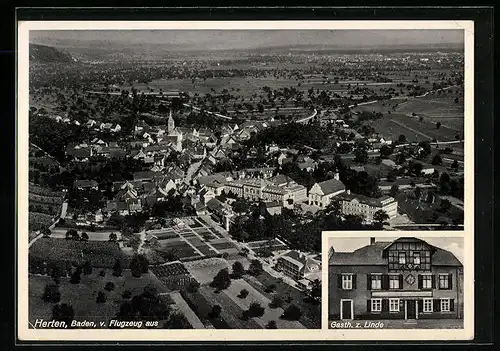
(182, 179)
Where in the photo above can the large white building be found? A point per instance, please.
(354, 204)
(322, 193)
(260, 189)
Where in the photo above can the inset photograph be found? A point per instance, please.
(395, 282)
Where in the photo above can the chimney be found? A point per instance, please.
(372, 241)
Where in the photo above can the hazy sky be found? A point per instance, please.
(455, 245)
(241, 39)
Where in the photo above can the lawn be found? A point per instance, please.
(205, 270)
(82, 296)
(311, 317)
(99, 253)
(231, 312)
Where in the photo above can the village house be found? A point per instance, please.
(300, 267)
(404, 279)
(322, 193)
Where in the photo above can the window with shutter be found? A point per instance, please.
(433, 281)
(420, 281)
(368, 281)
(385, 282)
(401, 281)
(437, 305)
(368, 305)
(452, 305)
(339, 281)
(354, 281)
(450, 281)
(385, 305)
(427, 305)
(444, 305)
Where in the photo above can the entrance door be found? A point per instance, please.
(411, 309)
(346, 309)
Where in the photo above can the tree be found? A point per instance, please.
(276, 302)
(400, 158)
(51, 293)
(418, 193)
(445, 206)
(255, 310)
(46, 232)
(72, 234)
(113, 237)
(75, 277)
(385, 151)
(315, 291)
(56, 274)
(193, 286)
(402, 139)
(243, 293)
(241, 205)
(271, 325)
(222, 280)
(117, 268)
(271, 288)
(394, 190)
(177, 321)
(63, 313)
(437, 160)
(455, 165)
(438, 125)
(255, 268)
(361, 155)
(109, 286)
(101, 297)
(216, 310)
(127, 294)
(292, 312)
(138, 265)
(380, 217)
(87, 268)
(84, 237)
(238, 270)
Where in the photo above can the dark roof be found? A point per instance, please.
(85, 183)
(371, 201)
(373, 255)
(366, 255)
(331, 186)
(146, 175)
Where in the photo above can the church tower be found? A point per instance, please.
(170, 123)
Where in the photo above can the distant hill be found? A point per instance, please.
(43, 53)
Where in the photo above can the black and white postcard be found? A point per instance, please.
(179, 179)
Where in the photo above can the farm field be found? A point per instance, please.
(44, 206)
(100, 253)
(392, 126)
(82, 296)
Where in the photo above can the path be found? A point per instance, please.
(186, 310)
(64, 209)
(305, 119)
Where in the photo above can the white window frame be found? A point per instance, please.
(394, 278)
(347, 281)
(446, 280)
(399, 257)
(397, 302)
(426, 304)
(426, 278)
(376, 302)
(446, 301)
(377, 280)
(419, 258)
